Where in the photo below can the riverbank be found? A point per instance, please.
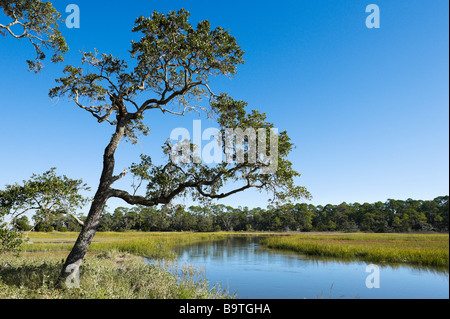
(429, 250)
(112, 269)
(148, 244)
(107, 275)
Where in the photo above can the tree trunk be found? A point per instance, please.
(70, 269)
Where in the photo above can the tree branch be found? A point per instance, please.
(223, 195)
(80, 222)
(8, 26)
(164, 101)
(95, 112)
(132, 199)
(121, 175)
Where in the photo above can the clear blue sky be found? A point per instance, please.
(368, 109)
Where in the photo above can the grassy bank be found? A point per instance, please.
(113, 268)
(152, 245)
(107, 275)
(416, 249)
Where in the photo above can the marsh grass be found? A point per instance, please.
(106, 275)
(152, 245)
(114, 268)
(417, 249)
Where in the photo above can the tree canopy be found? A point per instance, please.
(38, 22)
(173, 64)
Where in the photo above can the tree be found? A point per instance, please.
(174, 61)
(431, 211)
(44, 195)
(10, 239)
(303, 216)
(125, 219)
(225, 217)
(182, 220)
(106, 222)
(22, 224)
(443, 212)
(38, 22)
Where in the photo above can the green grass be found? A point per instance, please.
(416, 249)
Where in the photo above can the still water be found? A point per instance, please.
(248, 269)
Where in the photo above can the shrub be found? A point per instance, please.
(49, 229)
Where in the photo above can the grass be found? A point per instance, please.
(112, 269)
(151, 245)
(416, 249)
(107, 275)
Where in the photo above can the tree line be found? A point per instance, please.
(391, 216)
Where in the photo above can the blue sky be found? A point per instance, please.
(366, 108)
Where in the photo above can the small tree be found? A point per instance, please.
(22, 224)
(38, 22)
(43, 196)
(10, 238)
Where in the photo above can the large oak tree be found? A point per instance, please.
(173, 63)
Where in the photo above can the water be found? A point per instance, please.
(243, 266)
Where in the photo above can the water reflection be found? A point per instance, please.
(242, 264)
